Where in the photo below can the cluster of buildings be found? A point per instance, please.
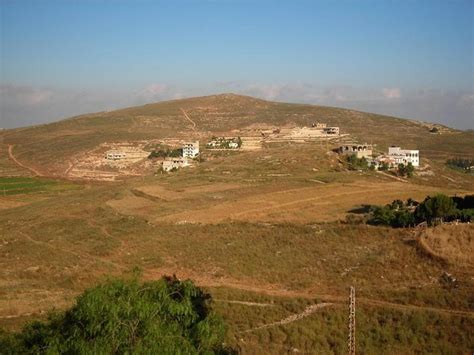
(394, 157)
(323, 128)
(224, 143)
(190, 151)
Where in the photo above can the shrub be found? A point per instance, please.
(436, 208)
(357, 163)
(166, 316)
(406, 170)
(460, 164)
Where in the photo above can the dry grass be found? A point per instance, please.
(51, 148)
(266, 229)
(452, 243)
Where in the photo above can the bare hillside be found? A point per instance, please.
(52, 149)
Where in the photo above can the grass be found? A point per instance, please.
(49, 254)
(266, 228)
(24, 185)
(51, 147)
(394, 331)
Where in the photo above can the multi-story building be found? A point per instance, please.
(359, 150)
(404, 156)
(191, 149)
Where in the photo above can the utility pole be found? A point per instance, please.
(352, 307)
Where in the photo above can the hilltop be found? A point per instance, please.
(52, 149)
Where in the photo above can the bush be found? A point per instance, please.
(164, 153)
(406, 170)
(460, 164)
(166, 316)
(357, 163)
(384, 166)
(436, 208)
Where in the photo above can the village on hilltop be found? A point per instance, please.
(168, 155)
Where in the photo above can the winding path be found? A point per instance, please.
(189, 119)
(12, 157)
(293, 318)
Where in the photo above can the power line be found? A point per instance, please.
(351, 339)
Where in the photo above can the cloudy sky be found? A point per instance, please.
(407, 58)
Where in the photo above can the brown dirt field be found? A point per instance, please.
(6, 203)
(131, 204)
(322, 203)
(452, 243)
(170, 193)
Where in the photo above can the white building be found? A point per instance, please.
(174, 163)
(191, 149)
(404, 156)
(115, 155)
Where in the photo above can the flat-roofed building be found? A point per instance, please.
(191, 149)
(171, 163)
(359, 150)
(404, 156)
(115, 155)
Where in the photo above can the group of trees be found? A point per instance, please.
(164, 153)
(355, 163)
(168, 316)
(406, 170)
(460, 164)
(433, 210)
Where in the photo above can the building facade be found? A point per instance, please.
(174, 163)
(359, 150)
(404, 156)
(115, 155)
(191, 149)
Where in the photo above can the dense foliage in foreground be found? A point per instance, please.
(168, 316)
(432, 210)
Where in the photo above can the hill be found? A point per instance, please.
(52, 149)
(265, 231)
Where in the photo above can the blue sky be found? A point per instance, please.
(407, 58)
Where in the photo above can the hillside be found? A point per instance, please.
(273, 233)
(53, 148)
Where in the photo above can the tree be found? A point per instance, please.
(384, 166)
(168, 316)
(436, 208)
(382, 215)
(357, 163)
(406, 170)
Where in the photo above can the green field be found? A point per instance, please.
(23, 185)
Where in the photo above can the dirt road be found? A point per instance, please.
(12, 157)
(189, 119)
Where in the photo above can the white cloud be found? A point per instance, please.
(23, 105)
(391, 93)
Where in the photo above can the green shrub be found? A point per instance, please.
(355, 163)
(168, 316)
(406, 170)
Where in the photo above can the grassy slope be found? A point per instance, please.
(49, 147)
(56, 244)
(50, 253)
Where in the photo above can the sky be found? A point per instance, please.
(405, 58)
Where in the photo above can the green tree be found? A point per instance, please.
(168, 316)
(382, 215)
(357, 163)
(436, 208)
